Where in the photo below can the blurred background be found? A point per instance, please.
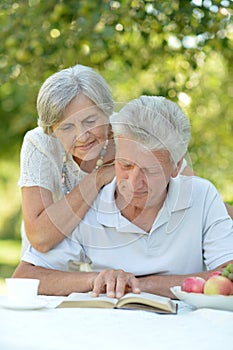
(178, 49)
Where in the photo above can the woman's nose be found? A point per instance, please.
(82, 133)
(82, 137)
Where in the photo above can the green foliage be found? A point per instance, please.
(10, 209)
(152, 47)
(179, 49)
(9, 258)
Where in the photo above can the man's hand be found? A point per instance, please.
(115, 283)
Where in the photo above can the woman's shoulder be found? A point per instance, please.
(37, 136)
(36, 140)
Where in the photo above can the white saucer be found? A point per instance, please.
(37, 304)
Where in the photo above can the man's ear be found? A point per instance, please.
(177, 168)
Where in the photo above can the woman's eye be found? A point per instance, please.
(67, 127)
(89, 121)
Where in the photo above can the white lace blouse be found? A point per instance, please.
(41, 162)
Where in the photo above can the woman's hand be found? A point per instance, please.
(105, 175)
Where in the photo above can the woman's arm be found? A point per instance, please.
(47, 223)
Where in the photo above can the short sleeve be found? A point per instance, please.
(38, 163)
(218, 231)
(58, 257)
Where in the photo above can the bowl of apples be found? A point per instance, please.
(216, 292)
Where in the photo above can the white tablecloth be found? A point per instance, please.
(69, 329)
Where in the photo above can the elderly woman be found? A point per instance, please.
(64, 160)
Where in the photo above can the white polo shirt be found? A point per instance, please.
(191, 232)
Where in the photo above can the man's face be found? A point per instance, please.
(142, 175)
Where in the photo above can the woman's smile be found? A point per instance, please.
(85, 147)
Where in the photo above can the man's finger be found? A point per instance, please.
(134, 284)
(98, 286)
(110, 288)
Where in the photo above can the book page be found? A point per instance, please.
(143, 307)
(149, 296)
(153, 300)
(87, 300)
(88, 297)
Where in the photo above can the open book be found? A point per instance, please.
(142, 301)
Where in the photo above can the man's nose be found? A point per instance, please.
(135, 177)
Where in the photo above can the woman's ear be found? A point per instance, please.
(177, 168)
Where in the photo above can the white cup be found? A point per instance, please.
(21, 290)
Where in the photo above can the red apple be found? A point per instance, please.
(218, 285)
(193, 285)
(214, 273)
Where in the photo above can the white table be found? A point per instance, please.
(66, 329)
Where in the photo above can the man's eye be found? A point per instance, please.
(125, 166)
(152, 170)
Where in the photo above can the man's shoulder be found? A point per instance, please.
(189, 192)
(196, 185)
(104, 203)
(194, 180)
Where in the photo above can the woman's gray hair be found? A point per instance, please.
(60, 88)
(156, 123)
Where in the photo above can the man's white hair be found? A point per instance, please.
(155, 122)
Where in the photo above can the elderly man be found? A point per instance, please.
(148, 229)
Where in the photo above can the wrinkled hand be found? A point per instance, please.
(115, 283)
(106, 173)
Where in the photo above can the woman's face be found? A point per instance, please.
(83, 128)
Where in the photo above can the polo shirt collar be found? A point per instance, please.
(108, 214)
(179, 195)
(178, 199)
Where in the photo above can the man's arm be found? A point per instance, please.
(229, 209)
(114, 283)
(55, 282)
(159, 284)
